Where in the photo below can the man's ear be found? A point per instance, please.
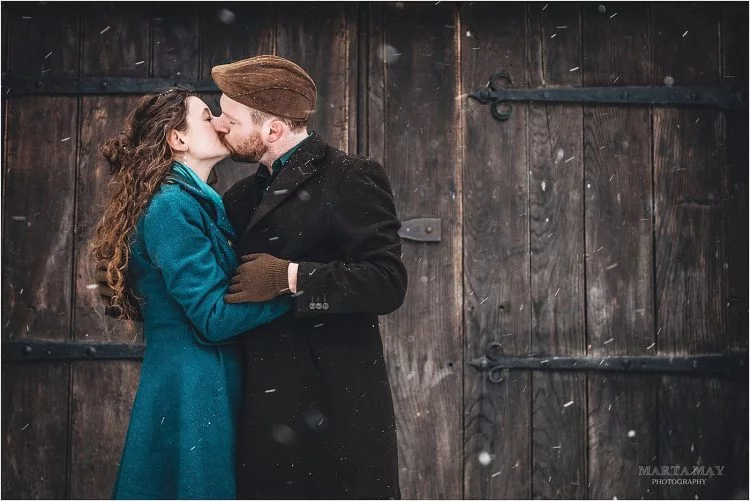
(275, 130)
(176, 142)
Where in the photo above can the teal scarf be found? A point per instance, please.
(198, 183)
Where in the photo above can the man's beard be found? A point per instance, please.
(250, 151)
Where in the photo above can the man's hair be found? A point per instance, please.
(258, 117)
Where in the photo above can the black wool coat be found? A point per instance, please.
(317, 417)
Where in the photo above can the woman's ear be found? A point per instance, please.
(176, 142)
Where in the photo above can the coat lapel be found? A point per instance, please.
(222, 222)
(300, 167)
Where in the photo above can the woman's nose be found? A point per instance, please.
(220, 125)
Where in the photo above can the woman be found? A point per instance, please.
(168, 244)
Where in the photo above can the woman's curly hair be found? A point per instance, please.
(139, 159)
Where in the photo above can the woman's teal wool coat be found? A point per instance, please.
(180, 442)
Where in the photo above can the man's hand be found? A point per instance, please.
(100, 277)
(106, 292)
(260, 277)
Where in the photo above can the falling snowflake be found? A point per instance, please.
(226, 16)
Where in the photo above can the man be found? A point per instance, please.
(317, 223)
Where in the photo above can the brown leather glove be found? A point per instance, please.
(100, 277)
(106, 292)
(260, 277)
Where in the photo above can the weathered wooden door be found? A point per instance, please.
(584, 231)
(596, 231)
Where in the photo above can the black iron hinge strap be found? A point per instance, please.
(29, 351)
(499, 97)
(14, 85)
(732, 365)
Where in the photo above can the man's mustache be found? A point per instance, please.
(225, 143)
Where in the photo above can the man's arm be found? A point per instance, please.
(371, 279)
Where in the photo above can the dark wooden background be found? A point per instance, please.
(567, 230)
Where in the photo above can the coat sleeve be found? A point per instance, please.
(179, 247)
(364, 226)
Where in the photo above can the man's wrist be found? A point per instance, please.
(292, 276)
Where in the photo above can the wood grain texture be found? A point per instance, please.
(688, 245)
(695, 416)
(102, 398)
(317, 37)
(687, 187)
(176, 41)
(735, 76)
(619, 248)
(128, 37)
(116, 39)
(556, 237)
(417, 62)
(5, 12)
(231, 32)
(35, 430)
(38, 217)
(39, 140)
(98, 426)
(622, 435)
(497, 419)
(734, 31)
(39, 175)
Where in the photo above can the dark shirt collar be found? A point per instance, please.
(265, 178)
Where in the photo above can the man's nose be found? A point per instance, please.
(220, 125)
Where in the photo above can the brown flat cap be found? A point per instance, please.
(270, 84)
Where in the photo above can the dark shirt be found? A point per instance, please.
(265, 178)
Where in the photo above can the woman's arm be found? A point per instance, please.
(179, 247)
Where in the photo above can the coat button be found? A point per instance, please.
(230, 243)
(325, 306)
(312, 306)
(318, 306)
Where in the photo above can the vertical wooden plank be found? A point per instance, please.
(416, 61)
(35, 422)
(39, 142)
(38, 218)
(231, 32)
(619, 265)
(316, 36)
(688, 248)
(376, 66)
(115, 38)
(496, 260)
(357, 50)
(103, 394)
(176, 43)
(3, 125)
(556, 238)
(116, 42)
(735, 76)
